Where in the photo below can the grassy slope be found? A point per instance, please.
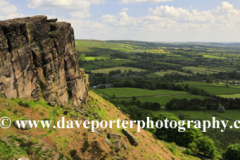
(65, 140)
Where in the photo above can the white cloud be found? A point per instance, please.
(76, 8)
(143, 1)
(178, 24)
(121, 20)
(7, 10)
(124, 9)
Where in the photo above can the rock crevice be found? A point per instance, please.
(38, 59)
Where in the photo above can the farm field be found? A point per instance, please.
(164, 99)
(113, 62)
(171, 72)
(217, 90)
(192, 83)
(200, 70)
(225, 68)
(130, 92)
(213, 57)
(96, 45)
(107, 70)
(88, 66)
(90, 58)
(178, 57)
(231, 96)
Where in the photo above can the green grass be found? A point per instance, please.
(178, 57)
(107, 70)
(217, 90)
(92, 45)
(171, 72)
(213, 57)
(88, 66)
(105, 57)
(200, 70)
(130, 92)
(192, 83)
(113, 62)
(231, 96)
(225, 68)
(163, 100)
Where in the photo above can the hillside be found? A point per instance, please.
(75, 143)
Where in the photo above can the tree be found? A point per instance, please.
(232, 152)
(206, 145)
(134, 98)
(81, 57)
(192, 149)
(221, 109)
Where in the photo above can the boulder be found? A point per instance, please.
(114, 136)
(26, 127)
(80, 111)
(116, 158)
(98, 131)
(52, 104)
(118, 144)
(106, 140)
(130, 137)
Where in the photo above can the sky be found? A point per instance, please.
(143, 20)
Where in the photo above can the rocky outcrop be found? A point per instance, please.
(38, 59)
(130, 137)
(114, 136)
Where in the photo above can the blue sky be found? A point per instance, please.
(145, 20)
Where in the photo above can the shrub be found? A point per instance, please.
(21, 103)
(173, 148)
(221, 109)
(85, 146)
(206, 145)
(192, 148)
(232, 152)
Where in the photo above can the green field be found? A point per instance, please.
(213, 57)
(200, 70)
(231, 96)
(143, 95)
(171, 72)
(113, 62)
(88, 66)
(107, 70)
(177, 57)
(97, 46)
(225, 68)
(104, 57)
(163, 100)
(130, 92)
(219, 90)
